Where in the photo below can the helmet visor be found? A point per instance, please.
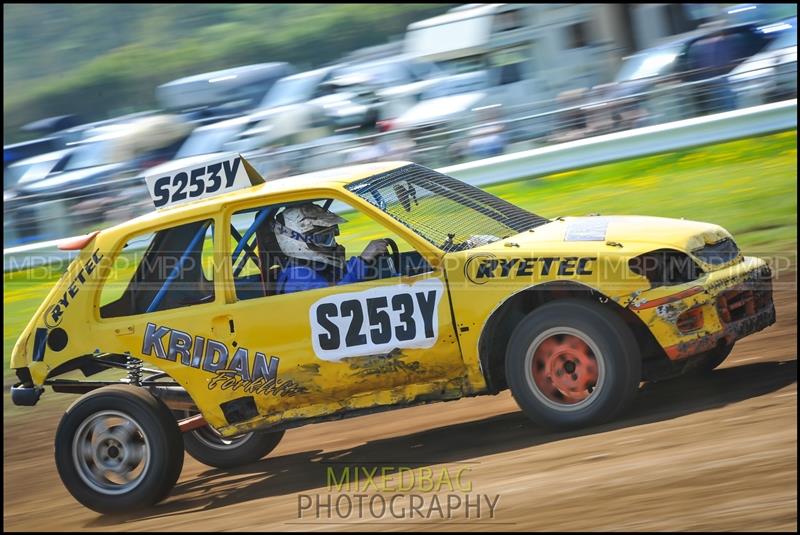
(325, 237)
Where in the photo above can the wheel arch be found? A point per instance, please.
(169, 392)
(496, 333)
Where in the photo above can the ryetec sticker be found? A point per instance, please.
(55, 312)
(483, 267)
(376, 320)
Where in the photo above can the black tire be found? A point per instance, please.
(608, 343)
(207, 447)
(708, 361)
(153, 427)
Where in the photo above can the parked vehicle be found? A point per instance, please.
(203, 143)
(453, 120)
(770, 75)
(349, 102)
(93, 180)
(218, 95)
(398, 82)
(52, 125)
(212, 138)
(525, 55)
(530, 53)
(27, 149)
(449, 103)
(643, 91)
(35, 168)
(285, 116)
(20, 220)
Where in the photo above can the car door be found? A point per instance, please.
(346, 346)
(161, 300)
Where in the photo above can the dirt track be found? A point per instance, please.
(712, 454)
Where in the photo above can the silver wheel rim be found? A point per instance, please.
(540, 396)
(111, 452)
(209, 437)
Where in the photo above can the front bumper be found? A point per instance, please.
(718, 309)
(26, 396)
(25, 393)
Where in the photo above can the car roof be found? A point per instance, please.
(459, 13)
(335, 178)
(225, 123)
(700, 32)
(243, 71)
(30, 142)
(313, 72)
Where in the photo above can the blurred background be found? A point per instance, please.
(97, 96)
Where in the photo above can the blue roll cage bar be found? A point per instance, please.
(241, 245)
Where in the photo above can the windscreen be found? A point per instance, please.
(450, 214)
(457, 85)
(293, 89)
(647, 64)
(384, 74)
(207, 140)
(787, 37)
(92, 154)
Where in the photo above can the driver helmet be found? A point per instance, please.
(308, 232)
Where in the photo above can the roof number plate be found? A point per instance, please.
(214, 177)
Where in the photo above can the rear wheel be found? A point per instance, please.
(118, 449)
(210, 448)
(571, 364)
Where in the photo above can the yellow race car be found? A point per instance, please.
(231, 313)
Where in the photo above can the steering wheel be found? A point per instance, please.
(394, 256)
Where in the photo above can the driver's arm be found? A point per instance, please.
(374, 249)
(354, 270)
(299, 278)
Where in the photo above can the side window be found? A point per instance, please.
(61, 163)
(312, 244)
(507, 21)
(324, 88)
(252, 252)
(170, 268)
(507, 64)
(679, 18)
(719, 53)
(577, 35)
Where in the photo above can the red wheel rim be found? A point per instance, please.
(565, 369)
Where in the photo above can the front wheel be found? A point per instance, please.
(571, 364)
(118, 449)
(708, 361)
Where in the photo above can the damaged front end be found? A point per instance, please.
(693, 309)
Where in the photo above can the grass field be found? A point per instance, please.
(747, 186)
